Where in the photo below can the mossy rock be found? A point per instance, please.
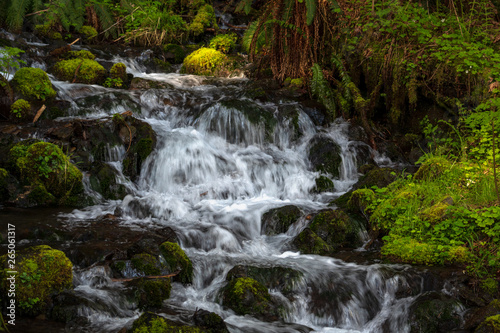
(489, 325)
(323, 184)
(118, 71)
(325, 155)
(360, 200)
(177, 260)
(151, 323)
(380, 177)
(88, 31)
(307, 242)
(4, 179)
(434, 313)
(20, 110)
(479, 315)
(44, 166)
(205, 61)
(42, 271)
(432, 168)
(103, 181)
(223, 43)
(150, 293)
(33, 84)
(437, 212)
(80, 71)
(284, 279)
(278, 220)
(82, 54)
(175, 53)
(246, 296)
(147, 264)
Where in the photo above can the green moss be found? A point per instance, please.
(297, 83)
(146, 264)
(177, 260)
(86, 71)
(325, 155)
(151, 293)
(40, 196)
(118, 71)
(177, 51)
(44, 163)
(223, 43)
(490, 286)
(246, 296)
(33, 84)
(42, 271)
(436, 212)
(204, 61)
(307, 242)
(277, 221)
(82, 54)
(47, 30)
(256, 114)
(432, 168)
(88, 31)
(144, 147)
(335, 228)
(20, 109)
(323, 184)
(490, 325)
(360, 200)
(151, 323)
(205, 17)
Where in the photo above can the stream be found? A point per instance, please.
(211, 177)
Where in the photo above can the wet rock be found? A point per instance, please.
(104, 181)
(284, 279)
(308, 242)
(177, 260)
(42, 271)
(434, 312)
(278, 220)
(149, 294)
(147, 264)
(150, 322)
(210, 322)
(324, 155)
(323, 184)
(247, 296)
(67, 305)
(139, 83)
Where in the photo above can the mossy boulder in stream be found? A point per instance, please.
(151, 323)
(48, 171)
(104, 181)
(489, 325)
(42, 271)
(278, 220)
(247, 296)
(149, 294)
(80, 71)
(434, 313)
(147, 264)
(33, 84)
(177, 260)
(329, 231)
(204, 61)
(325, 155)
(20, 110)
(323, 184)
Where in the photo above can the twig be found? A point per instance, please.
(147, 277)
(39, 113)
(38, 12)
(76, 40)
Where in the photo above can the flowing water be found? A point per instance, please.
(212, 176)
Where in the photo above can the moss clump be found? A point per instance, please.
(42, 271)
(85, 70)
(151, 323)
(307, 242)
(177, 260)
(204, 61)
(82, 54)
(432, 168)
(323, 184)
(205, 17)
(437, 212)
(246, 296)
(4, 192)
(44, 166)
(146, 264)
(33, 84)
(47, 30)
(88, 31)
(20, 109)
(150, 293)
(490, 325)
(223, 43)
(118, 71)
(360, 200)
(277, 221)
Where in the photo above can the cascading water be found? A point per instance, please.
(214, 173)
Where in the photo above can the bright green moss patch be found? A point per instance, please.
(41, 272)
(118, 71)
(82, 54)
(223, 43)
(246, 296)
(177, 260)
(88, 31)
(204, 61)
(84, 70)
(205, 17)
(20, 109)
(33, 84)
(490, 325)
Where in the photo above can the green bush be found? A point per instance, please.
(33, 84)
(84, 70)
(223, 43)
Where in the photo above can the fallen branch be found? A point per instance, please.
(76, 40)
(39, 113)
(147, 277)
(38, 12)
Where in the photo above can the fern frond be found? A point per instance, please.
(105, 19)
(345, 78)
(244, 5)
(288, 10)
(286, 25)
(311, 11)
(322, 91)
(16, 12)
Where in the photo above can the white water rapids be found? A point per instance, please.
(212, 176)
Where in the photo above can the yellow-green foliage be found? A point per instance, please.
(88, 31)
(20, 109)
(204, 61)
(436, 212)
(223, 43)
(82, 54)
(203, 19)
(490, 324)
(432, 168)
(177, 259)
(42, 271)
(33, 84)
(360, 200)
(47, 30)
(86, 71)
(44, 166)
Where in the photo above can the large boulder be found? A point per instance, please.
(278, 220)
(325, 155)
(33, 84)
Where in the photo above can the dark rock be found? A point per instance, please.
(323, 184)
(149, 293)
(209, 321)
(278, 220)
(324, 155)
(434, 312)
(104, 181)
